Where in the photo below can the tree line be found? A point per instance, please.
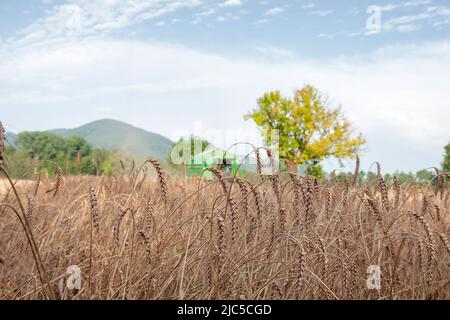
(45, 151)
(310, 131)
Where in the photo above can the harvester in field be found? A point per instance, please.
(218, 159)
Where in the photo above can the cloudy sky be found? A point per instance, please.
(172, 66)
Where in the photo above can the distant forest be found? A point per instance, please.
(74, 155)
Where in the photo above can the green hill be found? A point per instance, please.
(117, 135)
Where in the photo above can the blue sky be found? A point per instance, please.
(166, 65)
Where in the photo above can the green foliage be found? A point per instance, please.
(310, 130)
(101, 160)
(194, 144)
(46, 150)
(77, 146)
(19, 163)
(315, 170)
(44, 145)
(446, 163)
(422, 177)
(404, 177)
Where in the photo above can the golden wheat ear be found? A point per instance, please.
(162, 180)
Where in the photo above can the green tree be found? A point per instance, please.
(404, 177)
(446, 163)
(310, 130)
(194, 144)
(77, 147)
(315, 170)
(19, 163)
(423, 177)
(45, 145)
(101, 158)
(73, 154)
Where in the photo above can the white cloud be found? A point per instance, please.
(81, 18)
(308, 5)
(408, 23)
(431, 16)
(405, 28)
(440, 24)
(275, 52)
(321, 13)
(206, 12)
(274, 11)
(390, 102)
(389, 7)
(232, 3)
(403, 4)
(326, 35)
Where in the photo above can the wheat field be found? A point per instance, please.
(147, 235)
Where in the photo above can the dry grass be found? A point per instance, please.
(278, 237)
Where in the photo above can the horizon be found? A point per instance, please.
(166, 66)
(256, 151)
(241, 152)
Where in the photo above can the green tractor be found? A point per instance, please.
(226, 162)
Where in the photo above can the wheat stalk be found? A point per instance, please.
(94, 209)
(445, 241)
(162, 180)
(58, 174)
(356, 174)
(397, 190)
(257, 251)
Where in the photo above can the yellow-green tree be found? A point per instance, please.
(310, 130)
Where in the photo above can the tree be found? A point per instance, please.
(309, 130)
(74, 154)
(20, 163)
(194, 145)
(423, 177)
(446, 163)
(101, 159)
(404, 177)
(46, 146)
(77, 147)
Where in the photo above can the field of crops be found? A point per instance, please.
(145, 235)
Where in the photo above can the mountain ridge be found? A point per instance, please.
(113, 135)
